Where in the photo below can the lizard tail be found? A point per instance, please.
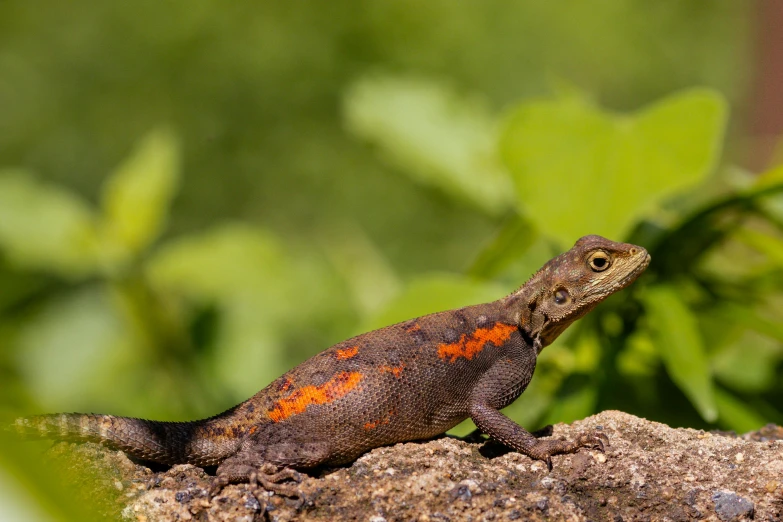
(202, 443)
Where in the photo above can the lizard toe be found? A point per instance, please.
(217, 485)
(594, 440)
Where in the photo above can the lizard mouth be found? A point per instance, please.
(641, 267)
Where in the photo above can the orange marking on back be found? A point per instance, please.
(298, 401)
(347, 353)
(394, 370)
(252, 430)
(469, 346)
(384, 420)
(412, 328)
(286, 384)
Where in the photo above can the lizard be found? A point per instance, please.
(409, 381)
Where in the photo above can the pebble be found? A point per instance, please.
(729, 506)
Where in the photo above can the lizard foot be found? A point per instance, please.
(269, 478)
(545, 449)
(596, 440)
(262, 479)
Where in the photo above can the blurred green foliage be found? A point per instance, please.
(196, 197)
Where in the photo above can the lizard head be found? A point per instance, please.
(573, 283)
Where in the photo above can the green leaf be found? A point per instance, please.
(573, 406)
(737, 415)
(72, 352)
(587, 351)
(770, 178)
(248, 353)
(365, 271)
(137, 196)
(44, 227)
(638, 357)
(507, 247)
(247, 273)
(676, 335)
(220, 263)
(748, 364)
(434, 135)
(435, 293)
(742, 316)
(538, 398)
(767, 244)
(579, 170)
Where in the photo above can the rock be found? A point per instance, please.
(729, 506)
(650, 472)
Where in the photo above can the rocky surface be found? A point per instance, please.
(649, 472)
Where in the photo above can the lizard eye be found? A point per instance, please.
(561, 296)
(599, 261)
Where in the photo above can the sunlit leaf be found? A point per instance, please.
(44, 227)
(248, 354)
(435, 135)
(463, 429)
(748, 364)
(638, 358)
(742, 316)
(770, 178)
(366, 272)
(573, 406)
(507, 247)
(435, 293)
(769, 245)
(73, 350)
(587, 351)
(137, 196)
(248, 274)
(676, 335)
(737, 415)
(580, 170)
(719, 256)
(221, 262)
(532, 405)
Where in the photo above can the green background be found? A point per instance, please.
(196, 196)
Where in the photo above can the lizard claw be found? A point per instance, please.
(595, 440)
(217, 485)
(297, 477)
(152, 483)
(603, 441)
(298, 502)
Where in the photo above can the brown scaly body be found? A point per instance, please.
(412, 380)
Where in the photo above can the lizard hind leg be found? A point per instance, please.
(261, 476)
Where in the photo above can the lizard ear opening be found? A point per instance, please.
(562, 296)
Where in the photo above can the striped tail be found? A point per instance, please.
(202, 443)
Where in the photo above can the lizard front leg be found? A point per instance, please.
(501, 428)
(500, 386)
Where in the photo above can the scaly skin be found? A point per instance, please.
(409, 381)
